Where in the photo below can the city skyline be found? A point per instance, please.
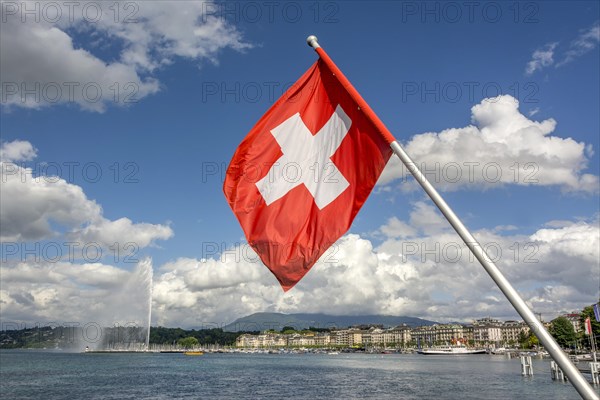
(116, 137)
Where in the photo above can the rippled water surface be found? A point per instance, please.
(54, 375)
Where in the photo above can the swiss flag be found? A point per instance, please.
(301, 175)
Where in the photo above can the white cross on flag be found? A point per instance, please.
(301, 175)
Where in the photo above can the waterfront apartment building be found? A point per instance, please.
(574, 320)
(441, 334)
(512, 331)
(247, 341)
(399, 335)
(372, 337)
(352, 337)
(298, 340)
(488, 331)
(487, 334)
(340, 337)
(375, 336)
(355, 337)
(323, 339)
(264, 340)
(483, 332)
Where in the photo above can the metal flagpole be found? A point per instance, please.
(575, 377)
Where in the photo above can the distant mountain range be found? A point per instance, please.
(276, 321)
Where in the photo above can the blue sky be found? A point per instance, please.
(201, 79)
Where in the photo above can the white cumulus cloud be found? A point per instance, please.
(502, 147)
(425, 271)
(35, 208)
(17, 151)
(122, 231)
(44, 61)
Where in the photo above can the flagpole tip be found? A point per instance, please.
(312, 41)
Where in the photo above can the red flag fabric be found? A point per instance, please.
(588, 326)
(303, 172)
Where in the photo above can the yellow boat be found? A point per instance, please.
(194, 353)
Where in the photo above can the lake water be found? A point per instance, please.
(28, 374)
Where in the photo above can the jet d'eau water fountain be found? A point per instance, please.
(121, 318)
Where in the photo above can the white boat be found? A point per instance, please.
(450, 351)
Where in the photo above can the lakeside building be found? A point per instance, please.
(487, 334)
(574, 319)
(442, 333)
(352, 337)
(372, 337)
(482, 332)
(487, 331)
(355, 337)
(492, 332)
(400, 335)
(263, 340)
(298, 340)
(323, 339)
(513, 330)
(340, 338)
